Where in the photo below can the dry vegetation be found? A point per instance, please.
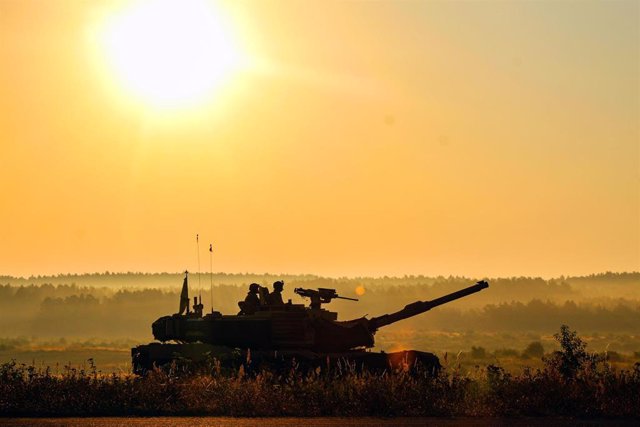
(571, 381)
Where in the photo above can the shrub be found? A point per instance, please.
(533, 350)
(572, 357)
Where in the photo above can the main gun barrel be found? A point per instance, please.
(418, 307)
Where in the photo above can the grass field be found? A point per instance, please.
(467, 351)
(569, 382)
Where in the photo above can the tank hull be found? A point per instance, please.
(201, 356)
(286, 328)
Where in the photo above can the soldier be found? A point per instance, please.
(251, 302)
(275, 297)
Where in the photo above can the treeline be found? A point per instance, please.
(536, 315)
(380, 294)
(601, 286)
(144, 280)
(124, 305)
(72, 311)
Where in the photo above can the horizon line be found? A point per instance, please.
(122, 273)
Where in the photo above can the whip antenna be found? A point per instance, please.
(199, 285)
(211, 272)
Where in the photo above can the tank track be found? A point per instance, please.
(206, 357)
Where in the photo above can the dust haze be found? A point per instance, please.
(70, 318)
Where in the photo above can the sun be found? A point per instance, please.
(169, 53)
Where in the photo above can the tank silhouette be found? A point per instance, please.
(278, 333)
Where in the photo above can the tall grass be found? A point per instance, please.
(572, 382)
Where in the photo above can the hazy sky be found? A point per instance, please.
(356, 138)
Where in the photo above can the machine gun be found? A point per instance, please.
(320, 296)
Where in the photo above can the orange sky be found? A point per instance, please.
(358, 138)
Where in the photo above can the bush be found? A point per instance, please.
(572, 357)
(533, 350)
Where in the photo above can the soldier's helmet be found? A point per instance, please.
(278, 285)
(254, 287)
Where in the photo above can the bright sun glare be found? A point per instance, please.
(169, 53)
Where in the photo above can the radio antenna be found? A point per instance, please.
(211, 272)
(199, 285)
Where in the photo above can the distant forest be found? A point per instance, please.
(122, 306)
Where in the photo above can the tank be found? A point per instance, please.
(269, 331)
